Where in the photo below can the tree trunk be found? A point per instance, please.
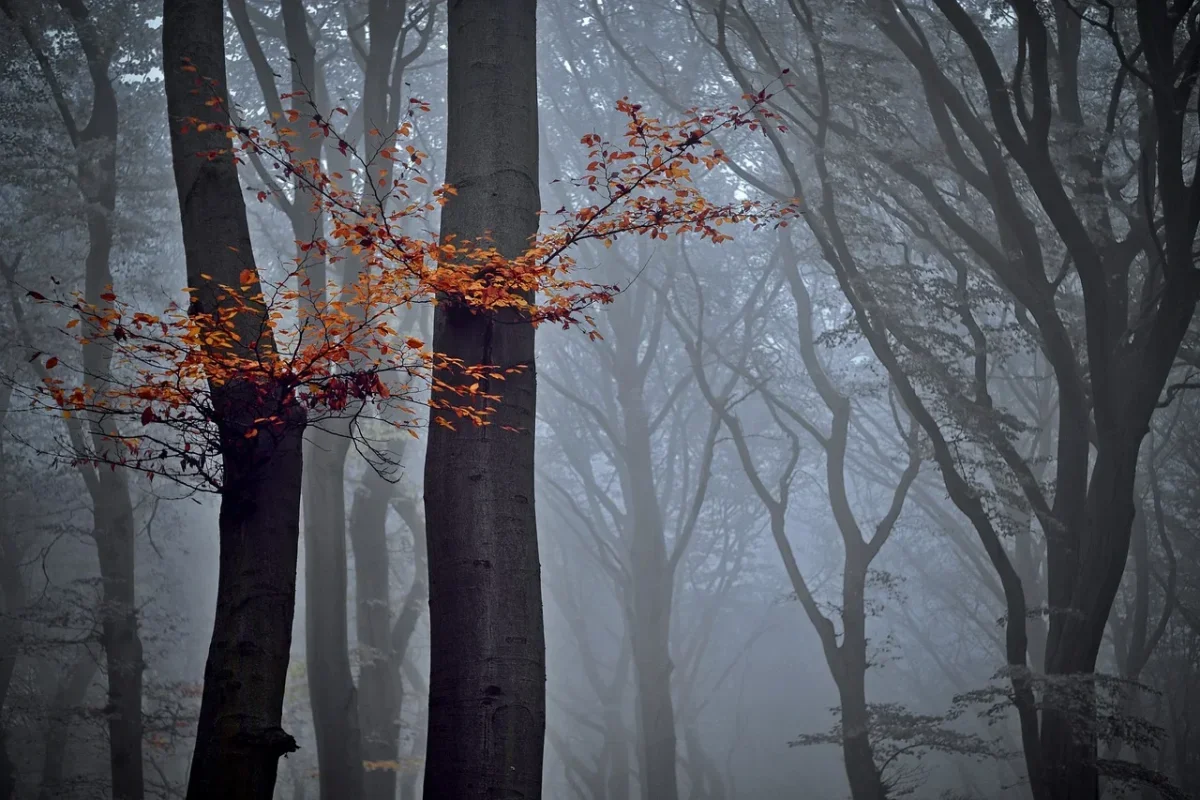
(1069, 746)
(849, 668)
(238, 737)
(655, 711)
(865, 780)
(12, 592)
(487, 713)
(650, 607)
(616, 748)
(112, 508)
(378, 698)
(330, 682)
(68, 699)
(114, 535)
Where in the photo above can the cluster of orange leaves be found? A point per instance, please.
(340, 350)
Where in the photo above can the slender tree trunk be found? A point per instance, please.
(655, 711)
(650, 630)
(239, 737)
(115, 534)
(487, 713)
(616, 782)
(12, 590)
(112, 510)
(68, 699)
(378, 695)
(861, 771)
(330, 680)
(849, 668)
(652, 583)
(410, 780)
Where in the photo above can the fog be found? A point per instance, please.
(873, 472)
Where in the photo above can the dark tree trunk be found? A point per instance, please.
(12, 591)
(239, 738)
(1069, 746)
(848, 665)
(487, 714)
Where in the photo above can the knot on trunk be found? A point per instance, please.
(274, 740)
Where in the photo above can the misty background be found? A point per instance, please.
(746, 535)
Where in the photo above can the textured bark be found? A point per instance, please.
(239, 738)
(487, 712)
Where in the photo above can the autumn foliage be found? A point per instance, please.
(339, 349)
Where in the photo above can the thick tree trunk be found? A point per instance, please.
(487, 713)
(330, 681)
(378, 695)
(1069, 746)
(238, 738)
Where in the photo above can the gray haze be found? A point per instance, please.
(758, 579)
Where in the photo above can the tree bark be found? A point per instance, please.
(487, 714)
(239, 738)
